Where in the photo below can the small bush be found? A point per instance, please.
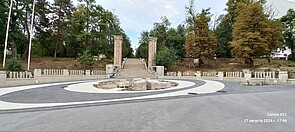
(291, 65)
(13, 65)
(86, 58)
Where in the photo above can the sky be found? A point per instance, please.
(137, 16)
(140, 15)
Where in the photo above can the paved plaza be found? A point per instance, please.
(193, 105)
(54, 107)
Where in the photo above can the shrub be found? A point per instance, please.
(86, 58)
(13, 65)
(166, 57)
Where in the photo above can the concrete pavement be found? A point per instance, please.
(206, 113)
(235, 108)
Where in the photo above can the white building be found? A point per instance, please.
(281, 53)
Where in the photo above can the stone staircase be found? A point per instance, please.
(134, 68)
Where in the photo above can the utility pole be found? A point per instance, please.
(6, 37)
(31, 36)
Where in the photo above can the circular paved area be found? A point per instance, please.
(230, 109)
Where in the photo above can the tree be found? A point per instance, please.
(200, 42)
(165, 57)
(160, 31)
(3, 21)
(142, 50)
(62, 13)
(86, 59)
(42, 45)
(223, 33)
(224, 30)
(254, 35)
(289, 31)
(273, 35)
(176, 39)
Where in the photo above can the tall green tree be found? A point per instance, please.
(160, 30)
(173, 38)
(62, 14)
(3, 21)
(166, 57)
(43, 25)
(289, 31)
(254, 35)
(200, 42)
(224, 30)
(142, 50)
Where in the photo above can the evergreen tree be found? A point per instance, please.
(289, 30)
(254, 35)
(200, 42)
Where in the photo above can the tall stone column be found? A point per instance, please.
(152, 52)
(118, 51)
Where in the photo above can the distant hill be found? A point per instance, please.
(281, 6)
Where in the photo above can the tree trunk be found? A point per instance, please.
(293, 52)
(26, 45)
(251, 62)
(268, 59)
(14, 49)
(55, 51)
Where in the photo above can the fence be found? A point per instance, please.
(24, 74)
(264, 74)
(234, 74)
(281, 76)
(52, 72)
(11, 78)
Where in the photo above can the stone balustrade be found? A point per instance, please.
(234, 74)
(52, 72)
(171, 74)
(98, 72)
(209, 74)
(281, 77)
(77, 72)
(23, 74)
(264, 74)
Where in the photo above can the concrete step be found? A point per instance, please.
(134, 68)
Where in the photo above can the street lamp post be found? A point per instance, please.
(31, 32)
(6, 37)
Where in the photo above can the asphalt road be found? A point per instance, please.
(266, 108)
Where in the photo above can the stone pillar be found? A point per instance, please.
(160, 70)
(65, 72)
(37, 73)
(87, 72)
(198, 74)
(110, 70)
(152, 52)
(220, 75)
(118, 51)
(2, 77)
(247, 76)
(283, 76)
(179, 74)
